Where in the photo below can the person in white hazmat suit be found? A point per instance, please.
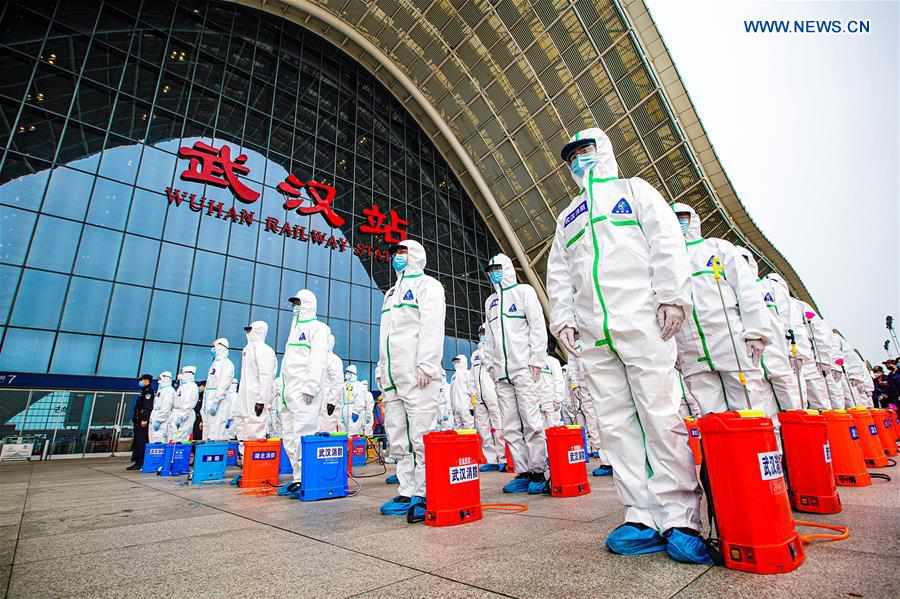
(840, 399)
(162, 409)
(618, 280)
(858, 376)
(775, 361)
(792, 324)
(487, 411)
(279, 407)
(369, 411)
(411, 345)
(554, 393)
(255, 393)
(817, 371)
(302, 372)
(580, 408)
(331, 390)
(461, 394)
(715, 346)
(181, 420)
(215, 398)
(445, 406)
(352, 405)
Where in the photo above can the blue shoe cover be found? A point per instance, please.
(518, 485)
(539, 487)
(687, 546)
(602, 471)
(398, 506)
(501, 468)
(489, 468)
(416, 511)
(288, 489)
(235, 482)
(392, 480)
(595, 454)
(635, 539)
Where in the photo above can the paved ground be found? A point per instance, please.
(87, 528)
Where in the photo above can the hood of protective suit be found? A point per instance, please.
(460, 363)
(776, 278)
(509, 272)
(351, 373)
(415, 258)
(221, 348)
(606, 161)
(694, 227)
(748, 256)
(187, 374)
(258, 331)
(165, 379)
(308, 304)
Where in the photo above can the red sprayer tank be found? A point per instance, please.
(694, 439)
(261, 462)
(846, 454)
(873, 452)
(452, 486)
(807, 456)
(749, 494)
(885, 425)
(568, 461)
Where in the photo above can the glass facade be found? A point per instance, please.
(133, 137)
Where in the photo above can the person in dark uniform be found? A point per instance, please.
(140, 419)
(197, 434)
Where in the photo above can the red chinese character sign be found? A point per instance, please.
(296, 192)
(392, 232)
(214, 166)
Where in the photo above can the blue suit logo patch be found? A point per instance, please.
(512, 308)
(408, 295)
(769, 298)
(622, 207)
(711, 260)
(579, 209)
(493, 303)
(302, 336)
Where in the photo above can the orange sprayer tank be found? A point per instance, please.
(873, 452)
(452, 486)
(807, 456)
(885, 425)
(261, 462)
(694, 439)
(846, 454)
(749, 494)
(568, 461)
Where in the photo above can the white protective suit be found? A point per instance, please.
(279, 407)
(411, 347)
(515, 342)
(487, 410)
(258, 366)
(302, 373)
(158, 427)
(351, 412)
(181, 420)
(581, 406)
(775, 362)
(554, 392)
(709, 356)
(860, 380)
(230, 406)
(445, 406)
(817, 372)
(331, 389)
(837, 381)
(792, 324)
(369, 411)
(617, 256)
(215, 398)
(461, 394)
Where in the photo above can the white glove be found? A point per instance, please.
(568, 338)
(422, 379)
(307, 398)
(755, 348)
(669, 318)
(213, 409)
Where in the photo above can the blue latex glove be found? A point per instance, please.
(213, 409)
(354, 417)
(178, 422)
(156, 424)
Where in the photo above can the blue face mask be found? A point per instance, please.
(685, 225)
(582, 164)
(399, 262)
(496, 276)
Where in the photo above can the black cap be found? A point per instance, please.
(396, 247)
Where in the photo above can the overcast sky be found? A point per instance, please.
(806, 126)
